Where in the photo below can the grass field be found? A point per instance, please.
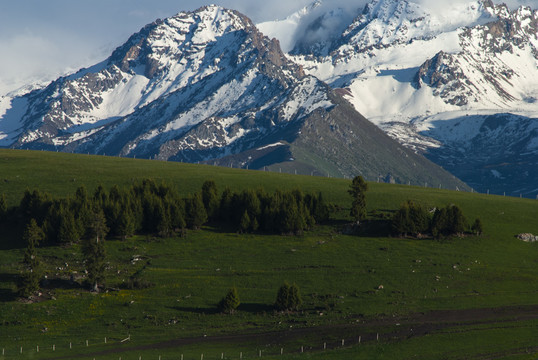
(487, 285)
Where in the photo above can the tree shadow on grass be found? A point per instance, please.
(255, 308)
(195, 310)
(7, 294)
(58, 283)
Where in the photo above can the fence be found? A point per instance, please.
(20, 352)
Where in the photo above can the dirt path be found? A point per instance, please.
(417, 324)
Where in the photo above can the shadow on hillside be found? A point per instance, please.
(255, 308)
(7, 294)
(375, 228)
(58, 283)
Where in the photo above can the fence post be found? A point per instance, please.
(281, 351)
(377, 337)
(87, 343)
(105, 340)
(70, 345)
(53, 347)
(343, 342)
(325, 346)
(359, 340)
(302, 349)
(37, 348)
(21, 349)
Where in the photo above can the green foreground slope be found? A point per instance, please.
(339, 276)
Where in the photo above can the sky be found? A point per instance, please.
(41, 40)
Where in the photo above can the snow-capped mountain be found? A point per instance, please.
(207, 86)
(419, 72)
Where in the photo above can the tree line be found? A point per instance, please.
(148, 207)
(414, 219)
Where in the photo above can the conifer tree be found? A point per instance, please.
(29, 285)
(244, 224)
(282, 296)
(288, 298)
(294, 298)
(67, 229)
(477, 227)
(210, 199)
(196, 214)
(93, 248)
(357, 190)
(126, 223)
(226, 205)
(230, 302)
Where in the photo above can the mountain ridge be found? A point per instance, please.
(207, 86)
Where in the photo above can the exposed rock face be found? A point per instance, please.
(483, 65)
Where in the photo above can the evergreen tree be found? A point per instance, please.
(100, 197)
(282, 296)
(357, 190)
(68, 230)
(477, 227)
(196, 214)
(126, 223)
(162, 218)
(230, 302)
(288, 298)
(93, 249)
(401, 222)
(419, 218)
(225, 208)
(210, 199)
(294, 298)
(176, 210)
(29, 284)
(458, 223)
(34, 205)
(244, 224)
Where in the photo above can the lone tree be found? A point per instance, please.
(357, 190)
(93, 249)
(30, 278)
(230, 302)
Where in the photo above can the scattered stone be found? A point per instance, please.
(527, 237)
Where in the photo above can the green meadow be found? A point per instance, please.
(469, 297)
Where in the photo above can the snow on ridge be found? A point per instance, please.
(270, 146)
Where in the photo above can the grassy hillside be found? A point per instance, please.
(435, 296)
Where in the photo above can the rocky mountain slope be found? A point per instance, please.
(207, 86)
(421, 72)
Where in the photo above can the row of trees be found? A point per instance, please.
(414, 219)
(151, 208)
(288, 299)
